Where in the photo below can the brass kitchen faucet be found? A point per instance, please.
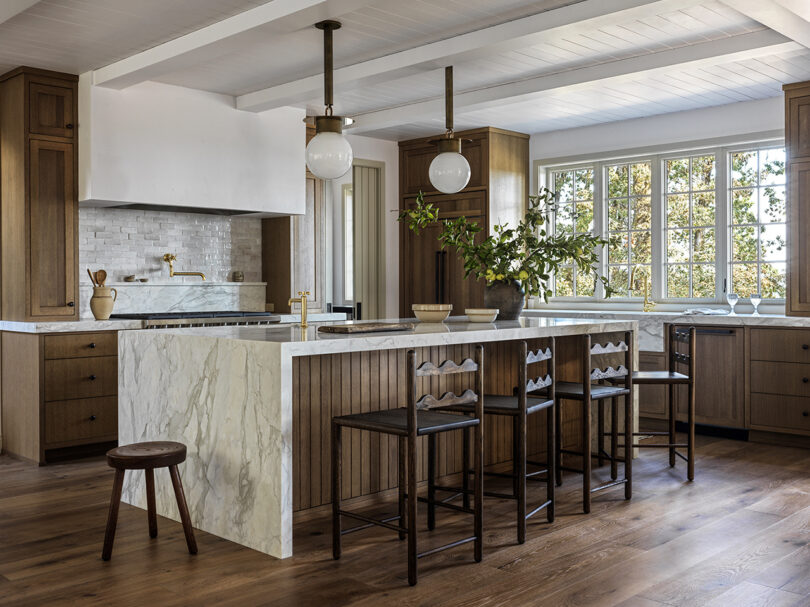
(170, 258)
(302, 299)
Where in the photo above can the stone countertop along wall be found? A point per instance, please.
(651, 324)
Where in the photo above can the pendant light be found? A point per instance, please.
(329, 155)
(449, 172)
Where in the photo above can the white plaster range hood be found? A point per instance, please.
(155, 145)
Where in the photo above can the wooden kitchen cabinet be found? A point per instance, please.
(293, 255)
(38, 196)
(496, 194)
(59, 393)
(720, 371)
(797, 147)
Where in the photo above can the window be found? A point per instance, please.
(348, 243)
(689, 225)
(757, 223)
(629, 191)
(574, 215)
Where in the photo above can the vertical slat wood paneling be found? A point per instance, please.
(340, 384)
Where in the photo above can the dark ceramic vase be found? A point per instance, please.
(508, 297)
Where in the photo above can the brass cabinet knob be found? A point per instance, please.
(92, 344)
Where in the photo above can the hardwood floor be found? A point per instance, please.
(738, 536)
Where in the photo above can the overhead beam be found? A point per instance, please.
(12, 8)
(283, 15)
(512, 35)
(790, 18)
(734, 48)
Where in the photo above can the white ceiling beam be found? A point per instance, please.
(788, 17)
(724, 50)
(283, 15)
(12, 8)
(516, 34)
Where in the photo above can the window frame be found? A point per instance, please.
(657, 160)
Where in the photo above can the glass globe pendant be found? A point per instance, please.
(329, 155)
(449, 172)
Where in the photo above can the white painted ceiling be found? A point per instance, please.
(655, 57)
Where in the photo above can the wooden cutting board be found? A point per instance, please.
(368, 327)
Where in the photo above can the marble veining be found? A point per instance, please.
(226, 392)
(179, 297)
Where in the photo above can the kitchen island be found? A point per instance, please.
(253, 405)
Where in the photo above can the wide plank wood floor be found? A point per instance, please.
(738, 536)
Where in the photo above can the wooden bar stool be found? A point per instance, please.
(147, 457)
(586, 392)
(672, 378)
(532, 395)
(408, 423)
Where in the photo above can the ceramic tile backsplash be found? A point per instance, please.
(133, 242)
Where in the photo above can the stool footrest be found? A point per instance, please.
(461, 542)
(542, 506)
(608, 485)
(370, 522)
(425, 500)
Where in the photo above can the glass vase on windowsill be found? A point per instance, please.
(514, 261)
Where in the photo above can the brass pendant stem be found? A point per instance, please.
(328, 64)
(448, 99)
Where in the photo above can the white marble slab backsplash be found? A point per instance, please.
(178, 297)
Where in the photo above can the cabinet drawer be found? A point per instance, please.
(88, 419)
(71, 378)
(786, 413)
(81, 345)
(791, 379)
(788, 345)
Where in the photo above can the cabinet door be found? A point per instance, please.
(51, 110)
(719, 378)
(798, 275)
(422, 268)
(416, 164)
(462, 292)
(52, 230)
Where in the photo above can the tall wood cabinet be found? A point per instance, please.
(496, 194)
(797, 145)
(293, 256)
(38, 196)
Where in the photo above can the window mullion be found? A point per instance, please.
(658, 232)
(722, 229)
(599, 225)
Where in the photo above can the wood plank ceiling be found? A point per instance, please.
(672, 49)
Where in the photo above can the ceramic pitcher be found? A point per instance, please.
(101, 304)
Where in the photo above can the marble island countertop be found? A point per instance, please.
(651, 324)
(296, 341)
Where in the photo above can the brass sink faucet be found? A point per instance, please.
(302, 299)
(649, 304)
(170, 258)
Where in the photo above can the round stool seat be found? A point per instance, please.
(141, 456)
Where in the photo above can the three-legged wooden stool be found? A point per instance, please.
(147, 457)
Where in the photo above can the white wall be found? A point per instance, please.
(368, 148)
(160, 144)
(725, 121)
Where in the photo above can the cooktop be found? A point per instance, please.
(180, 315)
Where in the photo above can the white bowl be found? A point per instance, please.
(431, 312)
(482, 314)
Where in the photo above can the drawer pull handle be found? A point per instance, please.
(93, 345)
(92, 418)
(92, 378)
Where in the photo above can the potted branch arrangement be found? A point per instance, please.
(514, 262)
